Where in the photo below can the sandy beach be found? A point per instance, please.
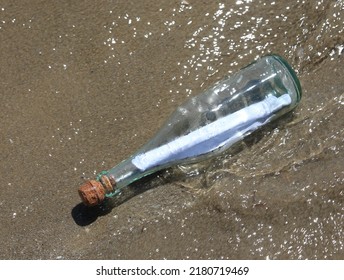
(84, 84)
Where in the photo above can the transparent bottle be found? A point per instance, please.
(207, 124)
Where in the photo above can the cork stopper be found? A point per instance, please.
(92, 193)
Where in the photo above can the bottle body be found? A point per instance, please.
(207, 124)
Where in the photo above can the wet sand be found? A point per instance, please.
(83, 85)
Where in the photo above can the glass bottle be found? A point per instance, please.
(207, 124)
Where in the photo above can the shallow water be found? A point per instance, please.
(84, 85)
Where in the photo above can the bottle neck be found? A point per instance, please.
(120, 176)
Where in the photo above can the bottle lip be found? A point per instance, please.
(296, 80)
